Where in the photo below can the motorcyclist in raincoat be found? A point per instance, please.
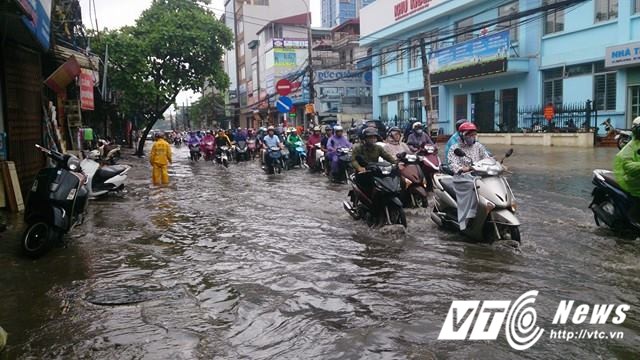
(160, 158)
(627, 167)
(314, 139)
(393, 145)
(333, 144)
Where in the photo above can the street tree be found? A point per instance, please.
(175, 45)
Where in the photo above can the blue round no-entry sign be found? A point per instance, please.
(284, 104)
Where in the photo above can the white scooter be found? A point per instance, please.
(495, 215)
(102, 180)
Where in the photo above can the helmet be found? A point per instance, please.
(416, 125)
(395, 128)
(158, 134)
(466, 127)
(337, 128)
(271, 128)
(460, 122)
(370, 132)
(328, 128)
(635, 128)
(317, 128)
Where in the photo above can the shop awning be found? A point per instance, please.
(64, 75)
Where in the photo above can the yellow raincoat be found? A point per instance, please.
(160, 158)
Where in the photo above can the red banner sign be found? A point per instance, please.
(405, 8)
(86, 89)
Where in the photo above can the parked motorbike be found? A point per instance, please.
(376, 199)
(208, 149)
(611, 205)
(495, 215)
(103, 179)
(222, 156)
(622, 136)
(242, 151)
(430, 163)
(110, 154)
(414, 184)
(56, 203)
(344, 165)
(194, 152)
(275, 161)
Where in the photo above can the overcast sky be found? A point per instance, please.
(113, 14)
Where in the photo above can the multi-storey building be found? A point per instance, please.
(336, 12)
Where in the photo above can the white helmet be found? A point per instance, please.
(337, 128)
(94, 155)
(417, 124)
(636, 122)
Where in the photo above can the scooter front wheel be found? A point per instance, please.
(37, 239)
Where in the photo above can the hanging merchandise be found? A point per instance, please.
(87, 134)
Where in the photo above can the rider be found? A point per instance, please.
(473, 149)
(393, 145)
(240, 135)
(369, 152)
(193, 140)
(454, 139)
(627, 168)
(314, 139)
(293, 138)
(323, 145)
(333, 144)
(208, 137)
(418, 138)
(222, 140)
(270, 140)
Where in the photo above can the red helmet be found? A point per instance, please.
(468, 126)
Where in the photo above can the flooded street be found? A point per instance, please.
(232, 263)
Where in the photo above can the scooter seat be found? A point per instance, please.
(447, 184)
(610, 178)
(108, 172)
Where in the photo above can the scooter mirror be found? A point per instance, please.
(459, 152)
(509, 153)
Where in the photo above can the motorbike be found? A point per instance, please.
(242, 151)
(222, 157)
(344, 165)
(252, 148)
(102, 180)
(430, 163)
(275, 161)
(377, 203)
(177, 141)
(319, 163)
(56, 203)
(208, 149)
(414, 184)
(611, 205)
(496, 206)
(298, 155)
(109, 153)
(622, 136)
(194, 152)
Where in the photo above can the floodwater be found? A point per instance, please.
(232, 263)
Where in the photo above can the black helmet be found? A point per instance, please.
(369, 132)
(394, 128)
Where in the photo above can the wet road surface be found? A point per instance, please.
(232, 263)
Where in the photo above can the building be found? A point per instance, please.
(500, 74)
(336, 12)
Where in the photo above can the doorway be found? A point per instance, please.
(460, 107)
(634, 103)
(484, 113)
(508, 110)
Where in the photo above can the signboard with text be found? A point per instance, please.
(86, 89)
(284, 58)
(622, 55)
(290, 43)
(40, 22)
(472, 52)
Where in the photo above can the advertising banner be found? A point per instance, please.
(284, 58)
(478, 51)
(622, 55)
(86, 89)
(40, 21)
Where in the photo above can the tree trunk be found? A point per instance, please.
(143, 137)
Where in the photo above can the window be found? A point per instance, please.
(577, 70)
(401, 110)
(512, 25)
(606, 10)
(352, 91)
(415, 59)
(464, 25)
(554, 21)
(239, 25)
(636, 6)
(399, 60)
(552, 88)
(384, 59)
(604, 91)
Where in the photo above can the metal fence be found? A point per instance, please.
(573, 117)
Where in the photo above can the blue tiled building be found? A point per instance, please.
(492, 73)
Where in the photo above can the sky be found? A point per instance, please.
(113, 14)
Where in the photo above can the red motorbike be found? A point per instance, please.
(429, 162)
(208, 148)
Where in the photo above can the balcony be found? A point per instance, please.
(344, 40)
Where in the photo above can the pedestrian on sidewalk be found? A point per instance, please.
(160, 159)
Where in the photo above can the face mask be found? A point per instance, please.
(371, 140)
(419, 131)
(469, 140)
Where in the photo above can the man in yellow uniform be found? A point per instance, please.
(160, 159)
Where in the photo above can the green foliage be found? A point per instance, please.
(206, 110)
(175, 45)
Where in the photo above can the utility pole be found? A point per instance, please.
(310, 39)
(426, 75)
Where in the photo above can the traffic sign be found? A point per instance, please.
(284, 104)
(283, 87)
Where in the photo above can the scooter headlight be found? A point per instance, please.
(73, 164)
(386, 170)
